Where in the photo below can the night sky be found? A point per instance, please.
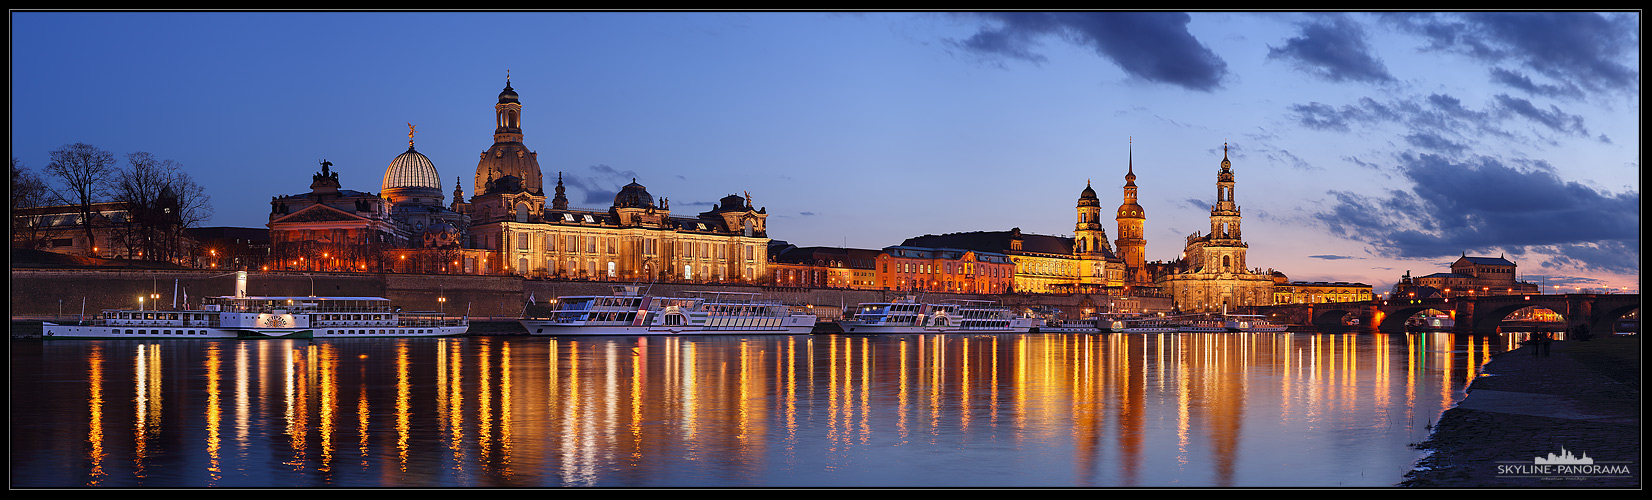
(1364, 145)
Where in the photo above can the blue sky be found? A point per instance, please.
(1364, 144)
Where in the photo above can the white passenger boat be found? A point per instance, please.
(1087, 325)
(629, 312)
(1149, 324)
(907, 315)
(1202, 324)
(241, 316)
(1252, 324)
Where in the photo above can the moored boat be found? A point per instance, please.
(1148, 324)
(241, 316)
(629, 311)
(907, 315)
(1202, 324)
(1252, 324)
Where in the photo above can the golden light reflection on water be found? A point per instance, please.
(1089, 410)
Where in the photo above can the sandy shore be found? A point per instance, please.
(1584, 398)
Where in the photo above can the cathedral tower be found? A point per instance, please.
(1132, 220)
(1224, 217)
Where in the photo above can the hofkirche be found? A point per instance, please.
(507, 227)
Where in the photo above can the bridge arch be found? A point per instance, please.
(1393, 317)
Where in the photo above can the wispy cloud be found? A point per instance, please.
(598, 184)
(1153, 46)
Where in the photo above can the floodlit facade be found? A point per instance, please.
(1212, 274)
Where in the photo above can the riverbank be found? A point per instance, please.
(1584, 398)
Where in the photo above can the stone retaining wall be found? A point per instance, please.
(58, 293)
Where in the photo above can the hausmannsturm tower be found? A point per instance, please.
(1132, 246)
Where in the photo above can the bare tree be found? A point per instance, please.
(82, 169)
(161, 200)
(27, 190)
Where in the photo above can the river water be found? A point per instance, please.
(1036, 410)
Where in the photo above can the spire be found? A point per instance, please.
(1130, 172)
(560, 202)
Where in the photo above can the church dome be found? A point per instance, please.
(633, 195)
(411, 170)
(1088, 195)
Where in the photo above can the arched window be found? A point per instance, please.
(1227, 263)
(521, 212)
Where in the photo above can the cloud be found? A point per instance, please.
(1523, 82)
(1587, 50)
(1152, 46)
(600, 184)
(1483, 204)
(1331, 257)
(1553, 118)
(1335, 51)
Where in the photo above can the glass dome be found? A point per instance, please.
(411, 170)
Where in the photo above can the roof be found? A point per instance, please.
(1486, 261)
(1445, 275)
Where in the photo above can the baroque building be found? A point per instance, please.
(1083, 263)
(1212, 274)
(1469, 276)
(331, 228)
(515, 231)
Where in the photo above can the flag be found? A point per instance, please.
(530, 298)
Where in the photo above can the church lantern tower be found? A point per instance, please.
(1089, 237)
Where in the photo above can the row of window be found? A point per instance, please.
(204, 332)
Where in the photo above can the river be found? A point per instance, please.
(1035, 410)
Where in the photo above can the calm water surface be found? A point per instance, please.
(1068, 410)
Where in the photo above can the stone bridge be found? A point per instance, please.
(1478, 315)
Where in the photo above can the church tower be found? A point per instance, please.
(1224, 217)
(1089, 237)
(1132, 245)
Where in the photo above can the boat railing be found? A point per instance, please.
(430, 319)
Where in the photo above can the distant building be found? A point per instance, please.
(119, 231)
(234, 248)
(1469, 276)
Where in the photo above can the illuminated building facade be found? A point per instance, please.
(909, 268)
(331, 229)
(1212, 273)
(637, 238)
(1317, 292)
(1469, 276)
(823, 267)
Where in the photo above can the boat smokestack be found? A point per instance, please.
(241, 284)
